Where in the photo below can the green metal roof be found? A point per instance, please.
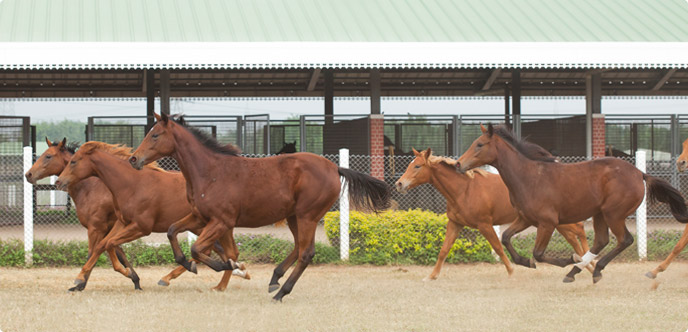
(343, 21)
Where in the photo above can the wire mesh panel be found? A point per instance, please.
(256, 134)
(561, 135)
(627, 134)
(285, 136)
(128, 130)
(405, 132)
(326, 134)
(14, 132)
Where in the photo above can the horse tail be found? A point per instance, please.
(366, 192)
(662, 191)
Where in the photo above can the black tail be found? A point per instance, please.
(662, 191)
(366, 192)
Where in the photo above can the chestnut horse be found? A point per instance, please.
(479, 200)
(228, 190)
(147, 201)
(549, 193)
(94, 207)
(681, 165)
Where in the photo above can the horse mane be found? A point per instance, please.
(530, 150)
(434, 160)
(207, 140)
(120, 151)
(70, 147)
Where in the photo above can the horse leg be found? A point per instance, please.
(682, 242)
(601, 240)
(544, 234)
(122, 257)
(623, 240)
(282, 268)
(211, 233)
(184, 224)
(95, 235)
(306, 252)
(489, 233)
(98, 249)
(229, 251)
(516, 227)
(572, 232)
(453, 229)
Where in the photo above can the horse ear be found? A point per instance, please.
(164, 118)
(157, 117)
(428, 153)
(62, 144)
(48, 141)
(416, 153)
(490, 130)
(482, 128)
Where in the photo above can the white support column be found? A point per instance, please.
(52, 192)
(28, 209)
(496, 228)
(344, 209)
(641, 212)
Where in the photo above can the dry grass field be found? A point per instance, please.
(476, 297)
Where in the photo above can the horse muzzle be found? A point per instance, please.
(136, 163)
(61, 185)
(681, 165)
(401, 187)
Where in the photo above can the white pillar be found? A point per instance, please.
(52, 192)
(28, 209)
(496, 228)
(344, 209)
(641, 213)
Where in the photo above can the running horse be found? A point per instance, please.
(681, 166)
(549, 194)
(145, 202)
(93, 200)
(228, 190)
(477, 199)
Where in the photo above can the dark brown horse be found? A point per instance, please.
(681, 165)
(549, 193)
(479, 200)
(227, 191)
(145, 201)
(94, 207)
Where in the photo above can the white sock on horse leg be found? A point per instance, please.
(585, 260)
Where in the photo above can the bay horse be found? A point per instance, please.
(145, 202)
(477, 199)
(549, 193)
(228, 190)
(681, 166)
(93, 200)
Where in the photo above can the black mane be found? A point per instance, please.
(207, 140)
(529, 150)
(71, 146)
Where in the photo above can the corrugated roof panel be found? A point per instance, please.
(343, 21)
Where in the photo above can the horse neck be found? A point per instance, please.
(194, 159)
(448, 182)
(115, 173)
(514, 168)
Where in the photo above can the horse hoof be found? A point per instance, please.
(78, 282)
(218, 289)
(277, 298)
(193, 268)
(273, 287)
(568, 279)
(163, 283)
(233, 265)
(650, 275)
(595, 279)
(138, 289)
(247, 276)
(531, 263)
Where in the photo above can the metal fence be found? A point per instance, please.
(55, 219)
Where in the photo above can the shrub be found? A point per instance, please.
(405, 237)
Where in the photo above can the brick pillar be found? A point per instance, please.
(598, 136)
(377, 149)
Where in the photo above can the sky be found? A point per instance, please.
(80, 110)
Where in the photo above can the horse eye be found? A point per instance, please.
(48, 156)
(417, 166)
(480, 145)
(73, 162)
(154, 135)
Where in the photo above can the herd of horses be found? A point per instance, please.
(122, 195)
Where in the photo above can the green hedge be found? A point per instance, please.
(252, 249)
(405, 237)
